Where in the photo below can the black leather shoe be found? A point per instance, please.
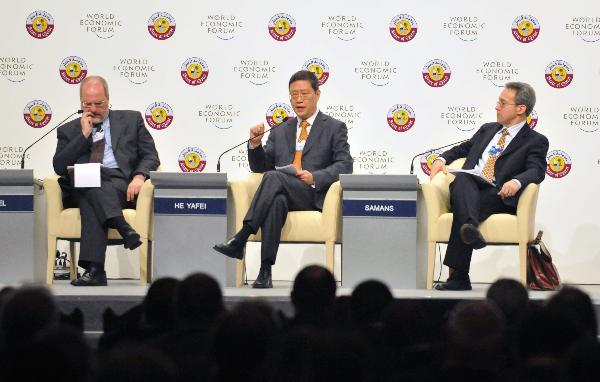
(234, 248)
(93, 277)
(263, 280)
(470, 235)
(131, 239)
(457, 281)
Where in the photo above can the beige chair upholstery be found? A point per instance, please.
(65, 224)
(497, 229)
(300, 226)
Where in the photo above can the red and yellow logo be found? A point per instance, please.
(278, 113)
(73, 70)
(194, 71)
(403, 28)
(161, 25)
(401, 118)
(192, 159)
(319, 68)
(559, 164)
(37, 114)
(532, 119)
(436, 73)
(39, 24)
(525, 28)
(427, 160)
(282, 27)
(559, 74)
(159, 115)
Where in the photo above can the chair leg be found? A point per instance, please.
(329, 254)
(430, 263)
(51, 259)
(240, 268)
(143, 253)
(523, 263)
(73, 260)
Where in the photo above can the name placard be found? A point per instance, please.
(190, 206)
(16, 203)
(379, 208)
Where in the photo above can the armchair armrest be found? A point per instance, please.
(332, 211)
(526, 212)
(143, 210)
(54, 202)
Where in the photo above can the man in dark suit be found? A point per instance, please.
(508, 153)
(317, 145)
(120, 141)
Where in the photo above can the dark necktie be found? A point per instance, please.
(97, 153)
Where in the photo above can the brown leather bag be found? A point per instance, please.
(541, 273)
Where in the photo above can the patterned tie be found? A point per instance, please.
(97, 152)
(302, 138)
(490, 164)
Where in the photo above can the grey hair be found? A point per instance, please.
(525, 95)
(93, 78)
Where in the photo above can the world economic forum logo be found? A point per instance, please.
(319, 68)
(559, 74)
(161, 25)
(39, 24)
(159, 115)
(73, 70)
(192, 159)
(525, 28)
(403, 28)
(401, 117)
(436, 73)
(194, 71)
(282, 27)
(37, 113)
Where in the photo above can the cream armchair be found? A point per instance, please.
(300, 226)
(65, 224)
(497, 229)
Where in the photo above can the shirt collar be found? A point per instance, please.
(514, 129)
(310, 120)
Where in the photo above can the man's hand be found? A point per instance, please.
(256, 134)
(306, 177)
(135, 186)
(86, 124)
(437, 166)
(509, 189)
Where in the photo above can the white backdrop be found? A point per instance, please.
(240, 73)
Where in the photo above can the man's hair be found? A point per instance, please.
(305, 75)
(93, 78)
(525, 95)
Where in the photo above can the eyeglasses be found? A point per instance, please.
(503, 103)
(300, 95)
(97, 103)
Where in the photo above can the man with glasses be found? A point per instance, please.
(119, 140)
(316, 145)
(507, 153)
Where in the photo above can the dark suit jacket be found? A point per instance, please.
(326, 152)
(132, 145)
(523, 159)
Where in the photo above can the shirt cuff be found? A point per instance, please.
(442, 159)
(519, 183)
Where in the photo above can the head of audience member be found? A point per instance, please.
(198, 300)
(304, 93)
(28, 311)
(59, 353)
(581, 364)
(314, 291)
(136, 364)
(159, 305)
(511, 297)
(405, 325)
(515, 103)
(93, 94)
(476, 337)
(249, 325)
(578, 307)
(368, 301)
